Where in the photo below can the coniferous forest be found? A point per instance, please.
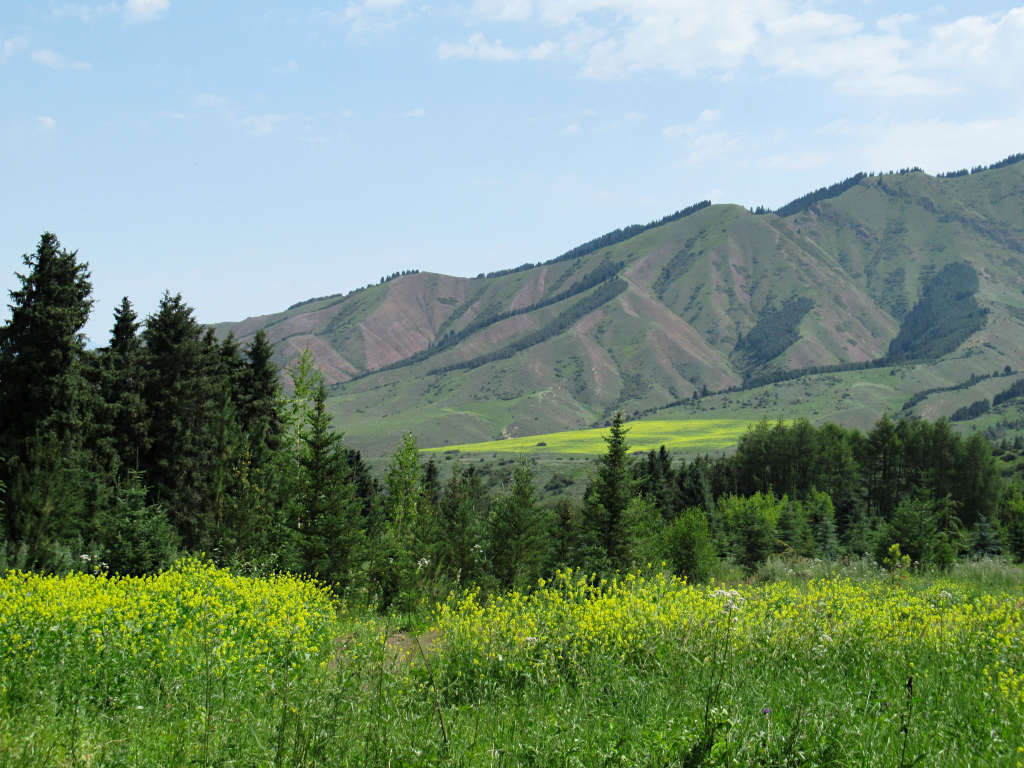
(170, 441)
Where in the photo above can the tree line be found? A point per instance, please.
(168, 440)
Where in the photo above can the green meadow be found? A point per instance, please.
(690, 435)
(835, 667)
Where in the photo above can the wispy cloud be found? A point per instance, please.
(702, 122)
(478, 47)
(14, 45)
(44, 57)
(710, 146)
(85, 12)
(414, 114)
(571, 129)
(266, 124)
(895, 55)
(145, 10)
(935, 145)
(210, 101)
(366, 15)
(46, 123)
(134, 11)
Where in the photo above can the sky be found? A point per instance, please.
(253, 154)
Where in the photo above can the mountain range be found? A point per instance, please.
(907, 279)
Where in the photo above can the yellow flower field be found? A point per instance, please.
(675, 435)
(197, 666)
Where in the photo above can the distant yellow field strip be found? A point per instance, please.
(675, 435)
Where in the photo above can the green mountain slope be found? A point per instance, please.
(926, 269)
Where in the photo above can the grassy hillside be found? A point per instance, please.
(655, 317)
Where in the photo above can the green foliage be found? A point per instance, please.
(619, 235)
(689, 546)
(136, 537)
(404, 485)
(329, 522)
(1011, 519)
(605, 502)
(456, 543)
(519, 532)
(41, 387)
(945, 316)
(124, 424)
(776, 330)
(805, 202)
(184, 400)
(925, 530)
(644, 531)
(1012, 392)
(748, 526)
(46, 504)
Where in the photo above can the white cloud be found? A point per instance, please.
(505, 10)
(53, 60)
(14, 45)
(414, 114)
(365, 15)
(46, 123)
(892, 55)
(986, 49)
(678, 129)
(894, 24)
(210, 101)
(571, 129)
(940, 145)
(703, 121)
(46, 58)
(711, 146)
(145, 10)
(634, 116)
(85, 12)
(266, 124)
(478, 47)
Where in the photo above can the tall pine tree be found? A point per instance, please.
(605, 502)
(43, 401)
(182, 393)
(41, 387)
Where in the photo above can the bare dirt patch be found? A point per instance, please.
(401, 646)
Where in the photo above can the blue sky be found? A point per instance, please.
(253, 154)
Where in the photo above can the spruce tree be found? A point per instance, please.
(259, 413)
(43, 401)
(330, 527)
(455, 539)
(182, 393)
(519, 532)
(122, 377)
(41, 387)
(605, 502)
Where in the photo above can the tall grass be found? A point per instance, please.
(200, 667)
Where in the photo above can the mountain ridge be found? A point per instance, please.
(697, 302)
